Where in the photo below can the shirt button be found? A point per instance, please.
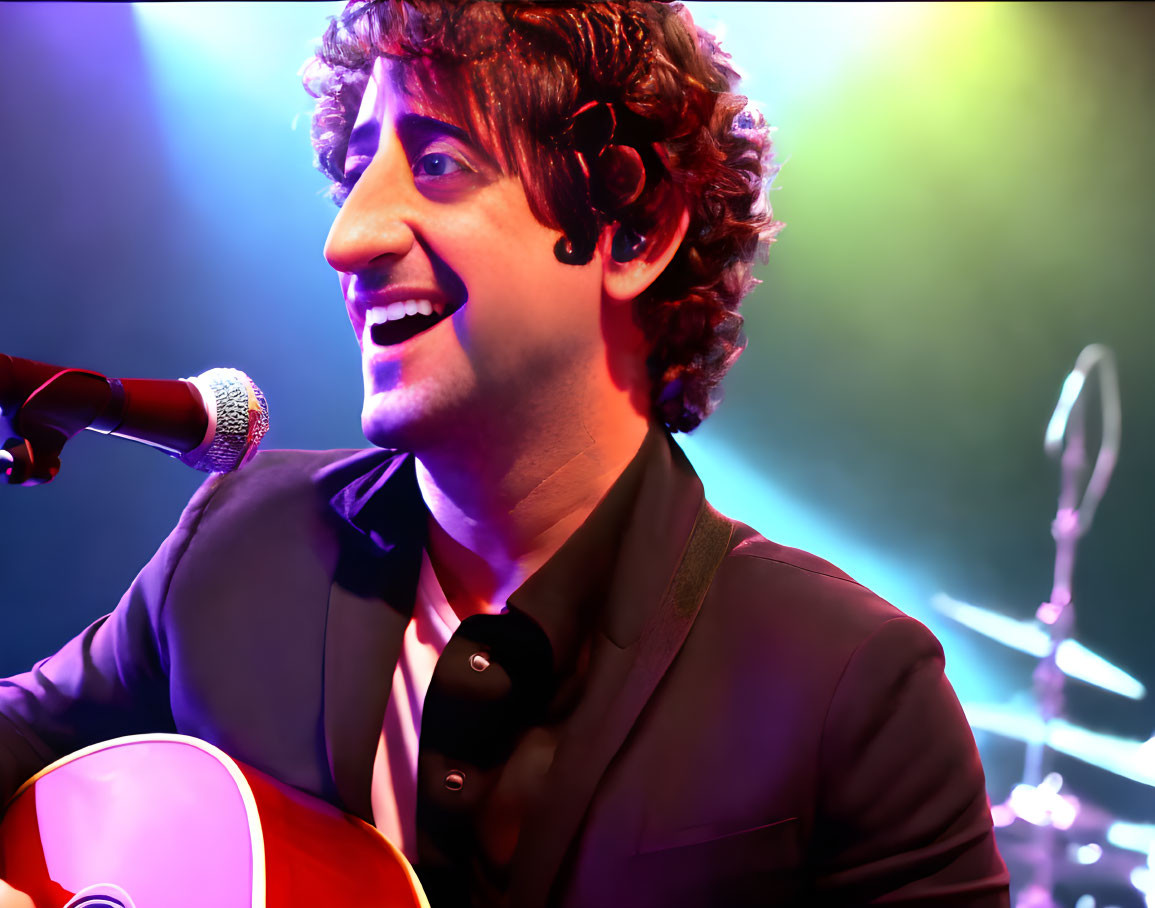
(479, 662)
(455, 780)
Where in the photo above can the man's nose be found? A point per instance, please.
(374, 225)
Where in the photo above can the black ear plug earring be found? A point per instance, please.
(626, 244)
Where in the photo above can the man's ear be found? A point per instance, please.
(623, 281)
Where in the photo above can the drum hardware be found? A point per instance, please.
(1048, 830)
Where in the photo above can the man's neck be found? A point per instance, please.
(498, 514)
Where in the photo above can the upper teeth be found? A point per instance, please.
(379, 315)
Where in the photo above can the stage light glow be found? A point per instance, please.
(1086, 854)
(744, 493)
(223, 77)
(822, 39)
(184, 39)
(1042, 805)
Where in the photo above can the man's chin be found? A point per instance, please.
(387, 433)
(422, 419)
(402, 427)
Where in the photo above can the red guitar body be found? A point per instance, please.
(168, 821)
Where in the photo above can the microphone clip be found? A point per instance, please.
(68, 402)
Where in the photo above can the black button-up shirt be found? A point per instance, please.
(503, 688)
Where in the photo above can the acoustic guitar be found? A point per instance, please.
(169, 821)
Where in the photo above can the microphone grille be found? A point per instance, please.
(238, 420)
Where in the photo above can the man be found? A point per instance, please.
(516, 639)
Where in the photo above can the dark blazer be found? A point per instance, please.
(802, 745)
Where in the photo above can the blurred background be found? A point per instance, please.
(967, 190)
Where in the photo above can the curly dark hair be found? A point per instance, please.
(521, 76)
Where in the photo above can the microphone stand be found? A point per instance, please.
(1057, 615)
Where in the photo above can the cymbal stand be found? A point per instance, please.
(1057, 615)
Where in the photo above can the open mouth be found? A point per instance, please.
(396, 322)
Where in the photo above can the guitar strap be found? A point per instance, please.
(658, 644)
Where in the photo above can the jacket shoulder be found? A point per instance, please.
(278, 480)
(801, 589)
(280, 471)
(273, 513)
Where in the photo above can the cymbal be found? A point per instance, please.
(1072, 658)
(1081, 864)
(1122, 756)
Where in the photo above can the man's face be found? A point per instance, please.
(498, 331)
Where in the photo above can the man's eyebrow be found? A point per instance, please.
(413, 130)
(412, 127)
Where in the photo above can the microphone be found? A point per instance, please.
(212, 422)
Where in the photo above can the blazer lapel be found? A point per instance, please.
(379, 543)
(626, 664)
(362, 642)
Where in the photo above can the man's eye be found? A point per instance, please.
(437, 164)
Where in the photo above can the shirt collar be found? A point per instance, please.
(382, 524)
(566, 594)
(647, 512)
